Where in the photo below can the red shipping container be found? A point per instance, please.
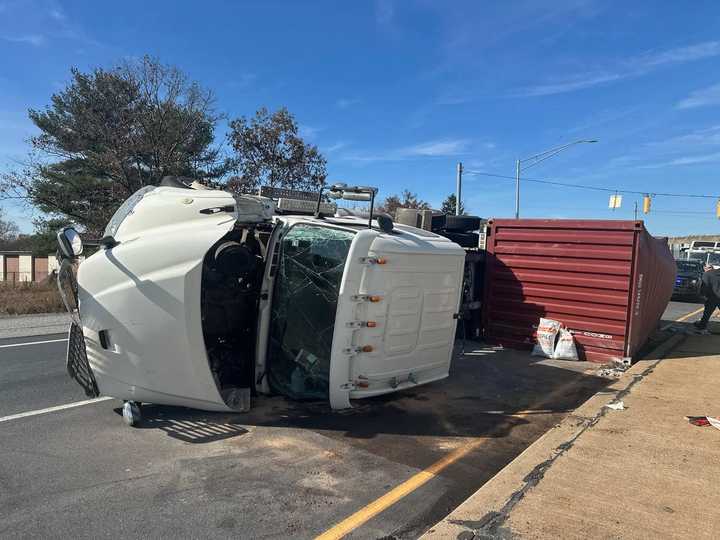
(607, 281)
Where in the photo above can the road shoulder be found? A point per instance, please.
(633, 467)
(34, 325)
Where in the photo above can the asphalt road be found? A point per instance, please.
(677, 309)
(284, 470)
(34, 376)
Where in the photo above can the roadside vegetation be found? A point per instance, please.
(28, 298)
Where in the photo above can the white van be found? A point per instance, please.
(201, 299)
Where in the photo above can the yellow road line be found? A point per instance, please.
(365, 514)
(391, 497)
(688, 315)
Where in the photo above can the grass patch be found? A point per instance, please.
(26, 298)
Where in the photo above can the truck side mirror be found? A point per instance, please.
(69, 243)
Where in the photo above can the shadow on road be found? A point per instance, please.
(485, 390)
(188, 425)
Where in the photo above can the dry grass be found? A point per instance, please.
(24, 298)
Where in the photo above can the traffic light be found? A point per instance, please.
(717, 209)
(646, 204)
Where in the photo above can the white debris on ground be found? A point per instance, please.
(616, 406)
(615, 369)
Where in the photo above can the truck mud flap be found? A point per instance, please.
(78, 366)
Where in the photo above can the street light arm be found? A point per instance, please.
(545, 155)
(554, 149)
(534, 160)
(542, 156)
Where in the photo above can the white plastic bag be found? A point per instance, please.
(565, 348)
(546, 333)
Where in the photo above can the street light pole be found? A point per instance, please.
(534, 160)
(517, 190)
(458, 193)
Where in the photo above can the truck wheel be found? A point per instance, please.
(131, 413)
(462, 223)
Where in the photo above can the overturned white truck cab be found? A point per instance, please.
(199, 298)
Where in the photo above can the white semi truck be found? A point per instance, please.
(202, 299)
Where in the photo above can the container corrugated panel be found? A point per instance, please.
(607, 281)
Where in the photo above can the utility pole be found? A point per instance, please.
(458, 192)
(635, 210)
(517, 189)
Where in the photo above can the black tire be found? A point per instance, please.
(463, 239)
(462, 223)
(131, 413)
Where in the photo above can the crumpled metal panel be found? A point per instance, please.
(608, 281)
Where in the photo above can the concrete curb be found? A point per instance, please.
(484, 512)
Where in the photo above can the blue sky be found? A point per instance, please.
(396, 93)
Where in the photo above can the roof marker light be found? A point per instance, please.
(373, 260)
(366, 298)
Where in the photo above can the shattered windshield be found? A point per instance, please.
(310, 268)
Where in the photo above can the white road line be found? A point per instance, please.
(53, 409)
(32, 343)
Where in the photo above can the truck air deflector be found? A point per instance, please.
(342, 355)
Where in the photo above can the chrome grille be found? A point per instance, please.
(78, 366)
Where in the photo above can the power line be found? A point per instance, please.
(620, 211)
(684, 212)
(595, 188)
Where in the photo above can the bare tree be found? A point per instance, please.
(8, 229)
(270, 152)
(407, 199)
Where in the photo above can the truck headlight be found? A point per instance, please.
(694, 282)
